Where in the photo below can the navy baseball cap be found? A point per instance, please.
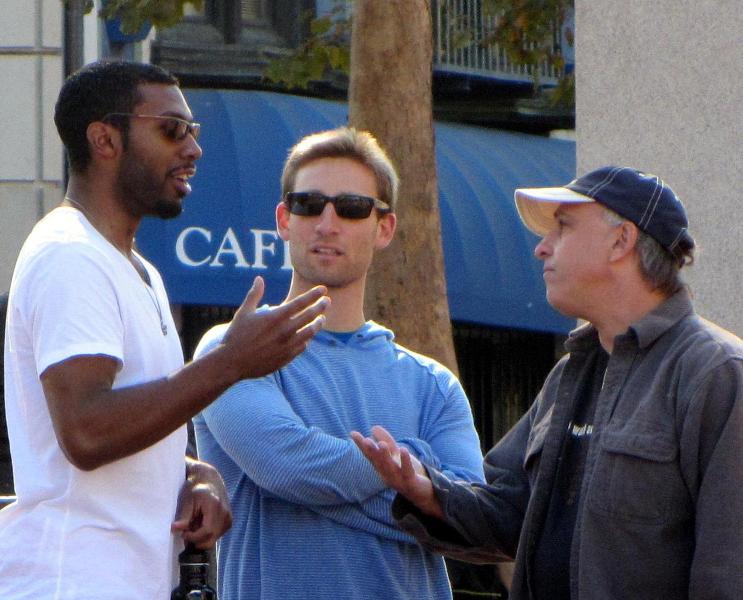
(638, 197)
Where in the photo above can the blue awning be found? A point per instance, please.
(226, 234)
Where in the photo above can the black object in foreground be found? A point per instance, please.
(194, 578)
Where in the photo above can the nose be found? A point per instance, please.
(544, 248)
(191, 148)
(328, 220)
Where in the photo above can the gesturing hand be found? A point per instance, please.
(261, 342)
(399, 469)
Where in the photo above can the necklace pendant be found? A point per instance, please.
(164, 328)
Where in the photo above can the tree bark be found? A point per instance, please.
(390, 96)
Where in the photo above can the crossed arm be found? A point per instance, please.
(260, 431)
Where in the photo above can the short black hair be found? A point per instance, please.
(94, 91)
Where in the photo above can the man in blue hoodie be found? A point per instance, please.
(311, 516)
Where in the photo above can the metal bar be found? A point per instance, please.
(457, 17)
(73, 36)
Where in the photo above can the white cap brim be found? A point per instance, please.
(537, 206)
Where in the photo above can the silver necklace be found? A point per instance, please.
(153, 296)
(77, 205)
(140, 268)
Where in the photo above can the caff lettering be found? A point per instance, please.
(201, 247)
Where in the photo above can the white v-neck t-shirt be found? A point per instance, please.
(79, 534)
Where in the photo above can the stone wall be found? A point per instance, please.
(659, 87)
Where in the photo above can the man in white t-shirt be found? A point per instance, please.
(96, 392)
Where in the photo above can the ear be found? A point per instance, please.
(625, 241)
(104, 140)
(282, 220)
(385, 230)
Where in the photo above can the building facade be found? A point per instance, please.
(659, 88)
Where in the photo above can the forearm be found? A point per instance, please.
(109, 424)
(449, 440)
(478, 522)
(96, 424)
(486, 516)
(373, 516)
(304, 465)
(437, 536)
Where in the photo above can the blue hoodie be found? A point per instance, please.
(311, 516)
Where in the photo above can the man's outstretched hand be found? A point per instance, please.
(399, 469)
(260, 342)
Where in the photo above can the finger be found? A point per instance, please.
(382, 435)
(179, 525)
(217, 518)
(406, 465)
(308, 331)
(254, 295)
(196, 530)
(415, 464)
(301, 302)
(309, 314)
(378, 455)
(299, 329)
(299, 339)
(366, 445)
(185, 515)
(202, 538)
(357, 438)
(384, 461)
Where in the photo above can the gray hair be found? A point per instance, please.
(658, 266)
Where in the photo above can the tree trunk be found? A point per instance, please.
(390, 95)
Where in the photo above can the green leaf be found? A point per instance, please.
(320, 26)
(135, 13)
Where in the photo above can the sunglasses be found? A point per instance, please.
(347, 206)
(174, 128)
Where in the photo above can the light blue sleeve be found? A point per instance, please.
(256, 426)
(451, 446)
(449, 439)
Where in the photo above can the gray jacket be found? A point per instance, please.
(661, 509)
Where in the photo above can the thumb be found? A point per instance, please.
(254, 295)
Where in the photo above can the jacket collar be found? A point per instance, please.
(648, 329)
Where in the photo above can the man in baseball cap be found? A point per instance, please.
(639, 197)
(623, 480)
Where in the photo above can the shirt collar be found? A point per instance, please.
(648, 329)
(666, 315)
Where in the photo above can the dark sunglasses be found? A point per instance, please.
(174, 128)
(347, 206)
